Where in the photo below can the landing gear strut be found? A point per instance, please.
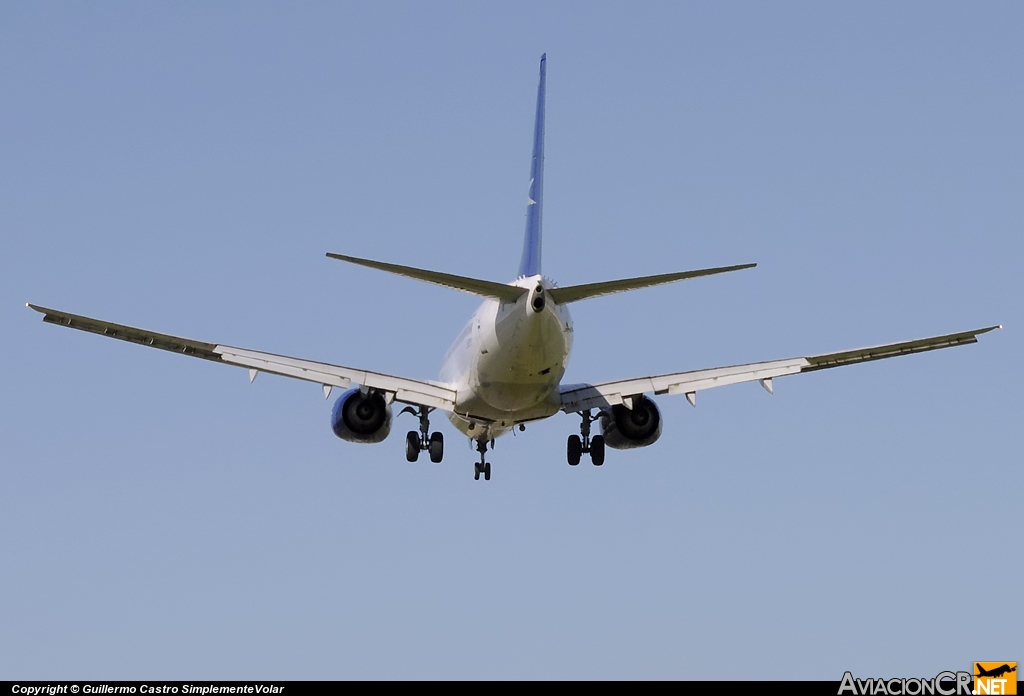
(581, 444)
(483, 467)
(416, 442)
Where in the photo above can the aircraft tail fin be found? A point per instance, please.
(475, 286)
(530, 263)
(575, 293)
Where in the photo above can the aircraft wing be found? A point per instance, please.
(410, 391)
(581, 397)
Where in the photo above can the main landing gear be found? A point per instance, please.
(580, 444)
(416, 442)
(483, 467)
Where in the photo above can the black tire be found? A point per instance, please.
(487, 471)
(436, 447)
(476, 472)
(412, 446)
(597, 450)
(574, 450)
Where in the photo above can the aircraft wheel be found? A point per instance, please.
(487, 471)
(597, 450)
(436, 447)
(574, 450)
(476, 472)
(412, 446)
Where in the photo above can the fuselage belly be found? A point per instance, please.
(507, 363)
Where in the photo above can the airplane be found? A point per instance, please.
(505, 368)
(996, 672)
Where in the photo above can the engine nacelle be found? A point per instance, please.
(359, 418)
(626, 428)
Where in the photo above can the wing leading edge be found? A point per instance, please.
(581, 397)
(402, 389)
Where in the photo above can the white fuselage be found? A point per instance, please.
(508, 361)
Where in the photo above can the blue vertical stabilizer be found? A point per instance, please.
(530, 264)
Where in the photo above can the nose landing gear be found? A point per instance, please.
(416, 442)
(482, 467)
(581, 444)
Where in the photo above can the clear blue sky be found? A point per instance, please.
(184, 167)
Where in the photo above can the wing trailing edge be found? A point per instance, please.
(403, 389)
(581, 397)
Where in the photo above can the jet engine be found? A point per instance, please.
(625, 428)
(361, 418)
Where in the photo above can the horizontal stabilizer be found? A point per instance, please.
(575, 293)
(486, 288)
